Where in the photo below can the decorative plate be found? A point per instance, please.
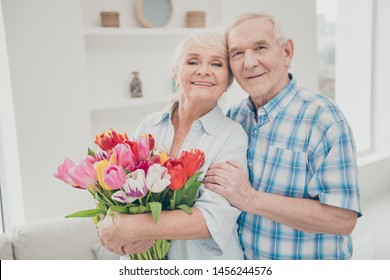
(153, 13)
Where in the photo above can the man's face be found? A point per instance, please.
(259, 64)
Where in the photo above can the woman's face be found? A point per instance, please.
(202, 73)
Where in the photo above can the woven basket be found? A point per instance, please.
(196, 19)
(110, 19)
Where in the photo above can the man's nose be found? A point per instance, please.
(250, 59)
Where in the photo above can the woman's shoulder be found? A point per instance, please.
(153, 118)
(222, 122)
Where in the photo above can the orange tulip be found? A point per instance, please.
(178, 173)
(192, 160)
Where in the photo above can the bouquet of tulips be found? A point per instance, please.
(134, 176)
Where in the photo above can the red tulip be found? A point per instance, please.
(150, 139)
(109, 139)
(178, 173)
(141, 146)
(192, 160)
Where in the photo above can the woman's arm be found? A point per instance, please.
(115, 232)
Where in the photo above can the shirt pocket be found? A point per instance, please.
(284, 172)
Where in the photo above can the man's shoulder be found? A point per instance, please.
(238, 108)
(322, 104)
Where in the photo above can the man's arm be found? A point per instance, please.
(229, 180)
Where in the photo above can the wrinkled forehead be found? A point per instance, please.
(252, 29)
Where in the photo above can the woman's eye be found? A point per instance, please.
(217, 64)
(192, 62)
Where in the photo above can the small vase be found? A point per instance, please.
(136, 85)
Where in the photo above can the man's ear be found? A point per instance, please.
(289, 52)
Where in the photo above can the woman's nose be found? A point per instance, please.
(203, 70)
(250, 60)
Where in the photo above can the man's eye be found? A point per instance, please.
(192, 62)
(236, 54)
(259, 48)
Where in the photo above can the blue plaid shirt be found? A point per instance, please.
(301, 146)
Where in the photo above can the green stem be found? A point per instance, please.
(172, 201)
(105, 198)
(141, 202)
(147, 197)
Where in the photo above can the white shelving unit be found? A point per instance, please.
(112, 54)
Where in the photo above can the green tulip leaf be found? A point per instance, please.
(91, 152)
(185, 208)
(117, 208)
(179, 195)
(192, 179)
(85, 213)
(192, 192)
(155, 208)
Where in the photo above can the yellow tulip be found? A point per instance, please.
(100, 167)
(163, 157)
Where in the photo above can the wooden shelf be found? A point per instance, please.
(113, 31)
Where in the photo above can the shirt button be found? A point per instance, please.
(250, 163)
(255, 131)
(271, 117)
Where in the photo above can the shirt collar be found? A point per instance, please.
(210, 122)
(279, 102)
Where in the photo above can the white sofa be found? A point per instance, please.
(54, 239)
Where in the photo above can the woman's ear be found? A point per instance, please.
(174, 75)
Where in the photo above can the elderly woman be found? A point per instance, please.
(193, 120)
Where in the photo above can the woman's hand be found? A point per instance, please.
(139, 246)
(109, 231)
(113, 236)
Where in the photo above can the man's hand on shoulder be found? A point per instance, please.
(229, 180)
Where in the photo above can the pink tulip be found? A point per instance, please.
(143, 148)
(83, 175)
(63, 171)
(114, 177)
(124, 156)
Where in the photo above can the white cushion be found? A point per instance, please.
(55, 239)
(5, 248)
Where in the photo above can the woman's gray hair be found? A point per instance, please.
(204, 39)
(279, 33)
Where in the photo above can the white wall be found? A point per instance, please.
(380, 77)
(9, 170)
(46, 58)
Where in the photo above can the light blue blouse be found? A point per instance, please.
(221, 139)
